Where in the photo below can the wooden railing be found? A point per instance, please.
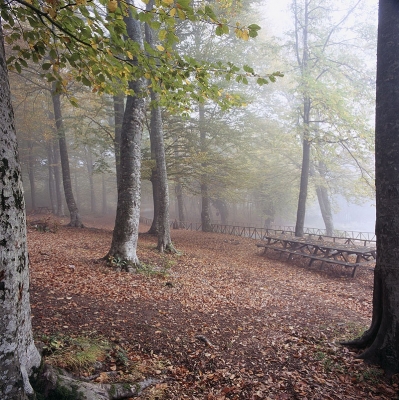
(351, 237)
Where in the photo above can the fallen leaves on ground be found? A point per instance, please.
(218, 321)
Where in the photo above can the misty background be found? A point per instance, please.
(252, 152)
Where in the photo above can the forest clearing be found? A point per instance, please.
(217, 321)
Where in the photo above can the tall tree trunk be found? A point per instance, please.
(31, 162)
(382, 338)
(325, 208)
(221, 206)
(119, 109)
(154, 228)
(57, 178)
(18, 354)
(205, 200)
(156, 136)
(324, 200)
(66, 175)
(76, 183)
(126, 230)
(51, 183)
(180, 203)
(303, 189)
(89, 165)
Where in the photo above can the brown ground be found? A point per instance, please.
(219, 321)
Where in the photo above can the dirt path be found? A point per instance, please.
(221, 320)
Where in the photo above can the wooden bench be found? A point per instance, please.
(312, 257)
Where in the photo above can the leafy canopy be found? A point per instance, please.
(91, 38)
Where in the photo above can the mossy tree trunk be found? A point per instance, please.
(18, 354)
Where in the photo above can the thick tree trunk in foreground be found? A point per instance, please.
(18, 354)
(125, 235)
(382, 338)
(66, 174)
(126, 230)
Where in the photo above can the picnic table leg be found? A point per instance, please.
(354, 271)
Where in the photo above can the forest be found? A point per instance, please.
(116, 112)
(238, 144)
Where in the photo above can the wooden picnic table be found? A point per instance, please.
(347, 255)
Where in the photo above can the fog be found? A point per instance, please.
(246, 152)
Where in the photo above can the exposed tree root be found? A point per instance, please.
(58, 384)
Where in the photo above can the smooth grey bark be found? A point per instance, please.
(157, 141)
(205, 200)
(126, 230)
(382, 338)
(119, 109)
(66, 174)
(18, 354)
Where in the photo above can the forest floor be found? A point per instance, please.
(217, 321)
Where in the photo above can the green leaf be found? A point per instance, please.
(248, 69)
(46, 66)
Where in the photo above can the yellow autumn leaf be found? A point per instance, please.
(181, 14)
(147, 75)
(160, 48)
(168, 2)
(112, 6)
(172, 12)
(130, 55)
(245, 35)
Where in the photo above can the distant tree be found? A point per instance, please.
(329, 78)
(381, 340)
(75, 219)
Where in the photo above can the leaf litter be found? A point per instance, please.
(217, 321)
